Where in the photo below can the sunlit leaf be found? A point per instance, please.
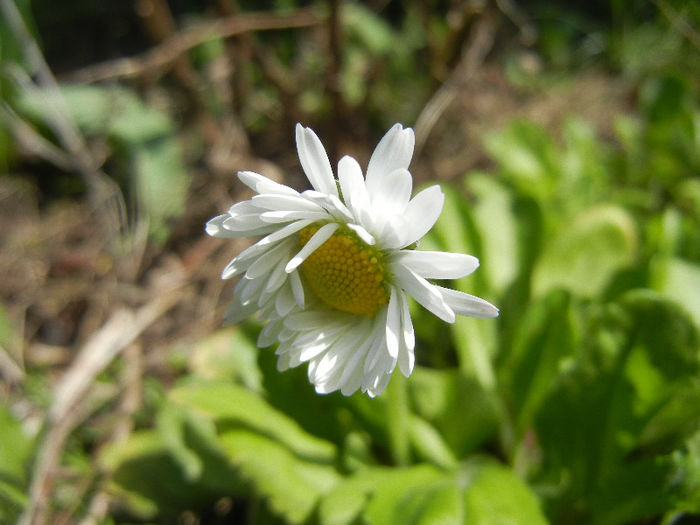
(640, 353)
(227, 354)
(291, 485)
(545, 338)
(495, 496)
(586, 253)
(228, 402)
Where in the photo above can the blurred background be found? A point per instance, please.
(566, 137)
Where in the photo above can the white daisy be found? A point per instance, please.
(332, 272)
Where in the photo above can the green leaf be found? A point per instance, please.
(228, 402)
(368, 28)
(586, 253)
(497, 225)
(496, 496)
(429, 444)
(291, 485)
(16, 447)
(227, 354)
(376, 493)
(398, 488)
(150, 482)
(439, 503)
(161, 183)
(527, 158)
(143, 136)
(456, 231)
(680, 280)
(637, 356)
(586, 167)
(545, 338)
(439, 397)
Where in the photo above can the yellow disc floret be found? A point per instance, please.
(345, 272)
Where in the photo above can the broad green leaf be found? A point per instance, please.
(149, 481)
(369, 28)
(225, 355)
(429, 444)
(497, 225)
(586, 253)
(680, 280)
(161, 182)
(178, 427)
(638, 355)
(462, 412)
(585, 167)
(642, 489)
(527, 158)
(143, 137)
(438, 503)
(545, 338)
(228, 402)
(291, 485)
(375, 493)
(16, 447)
(496, 496)
(455, 231)
(399, 487)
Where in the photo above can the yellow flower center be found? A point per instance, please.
(345, 272)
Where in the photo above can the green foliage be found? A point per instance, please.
(16, 448)
(578, 405)
(143, 139)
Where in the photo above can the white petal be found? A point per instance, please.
(469, 305)
(393, 324)
(311, 320)
(215, 228)
(363, 234)
(317, 239)
(437, 265)
(421, 213)
(247, 289)
(262, 184)
(409, 337)
(394, 151)
(284, 300)
(263, 265)
(235, 266)
(247, 257)
(288, 216)
(425, 293)
(352, 184)
(314, 161)
(274, 282)
(392, 192)
(284, 203)
(268, 335)
(242, 224)
(297, 288)
(406, 359)
(380, 385)
(237, 312)
(330, 203)
(285, 231)
(351, 377)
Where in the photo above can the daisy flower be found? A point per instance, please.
(333, 270)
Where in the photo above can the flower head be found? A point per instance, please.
(331, 275)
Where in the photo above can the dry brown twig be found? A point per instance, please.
(473, 55)
(172, 48)
(68, 408)
(106, 198)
